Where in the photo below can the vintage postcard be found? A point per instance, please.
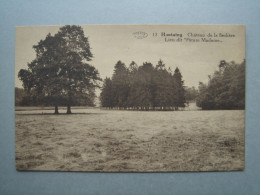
(130, 98)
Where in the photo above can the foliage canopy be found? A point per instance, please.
(145, 87)
(60, 74)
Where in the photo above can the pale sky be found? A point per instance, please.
(110, 43)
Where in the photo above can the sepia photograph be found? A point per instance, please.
(130, 98)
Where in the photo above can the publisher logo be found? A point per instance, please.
(140, 35)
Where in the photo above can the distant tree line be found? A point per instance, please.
(191, 94)
(20, 96)
(144, 87)
(23, 98)
(225, 88)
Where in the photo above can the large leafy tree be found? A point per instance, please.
(225, 88)
(60, 74)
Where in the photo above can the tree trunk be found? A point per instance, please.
(69, 110)
(56, 110)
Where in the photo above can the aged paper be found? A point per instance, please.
(130, 98)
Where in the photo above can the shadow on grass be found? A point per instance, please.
(61, 114)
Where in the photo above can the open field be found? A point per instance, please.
(112, 140)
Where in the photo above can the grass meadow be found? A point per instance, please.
(129, 141)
